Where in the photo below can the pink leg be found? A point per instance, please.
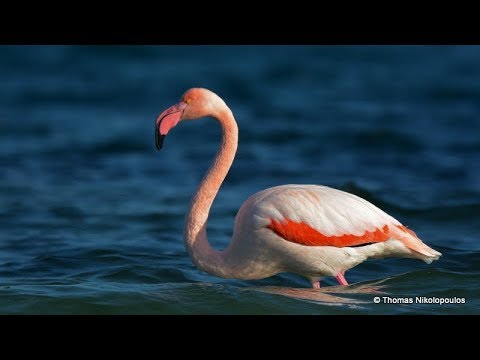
(341, 278)
(316, 284)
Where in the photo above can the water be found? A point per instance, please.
(91, 215)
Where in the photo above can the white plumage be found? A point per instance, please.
(330, 211)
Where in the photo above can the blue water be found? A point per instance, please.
(91, 215)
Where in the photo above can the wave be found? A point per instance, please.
(440, 212)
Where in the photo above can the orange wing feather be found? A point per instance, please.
(301, 233)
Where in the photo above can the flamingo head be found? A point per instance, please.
(194, 104)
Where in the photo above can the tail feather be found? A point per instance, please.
(411, 241)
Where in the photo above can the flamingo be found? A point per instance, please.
(310, 230)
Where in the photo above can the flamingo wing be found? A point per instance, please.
(314, 215)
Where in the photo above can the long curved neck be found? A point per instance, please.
(195, 231)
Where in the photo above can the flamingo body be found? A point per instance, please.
(310, 230)
(333, 231)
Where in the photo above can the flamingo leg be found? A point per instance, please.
(341, 278)
(315, 284)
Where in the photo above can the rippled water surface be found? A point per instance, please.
(91, 215)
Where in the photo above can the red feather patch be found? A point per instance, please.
(301, 233)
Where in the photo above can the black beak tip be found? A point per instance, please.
(159, 141)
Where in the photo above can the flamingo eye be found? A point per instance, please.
(188, 101)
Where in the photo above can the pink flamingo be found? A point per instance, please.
(310, 230)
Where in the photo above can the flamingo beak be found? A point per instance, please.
(166, 121)
(159, 140)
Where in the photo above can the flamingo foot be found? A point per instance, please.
(316, 284)
(341, 278)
